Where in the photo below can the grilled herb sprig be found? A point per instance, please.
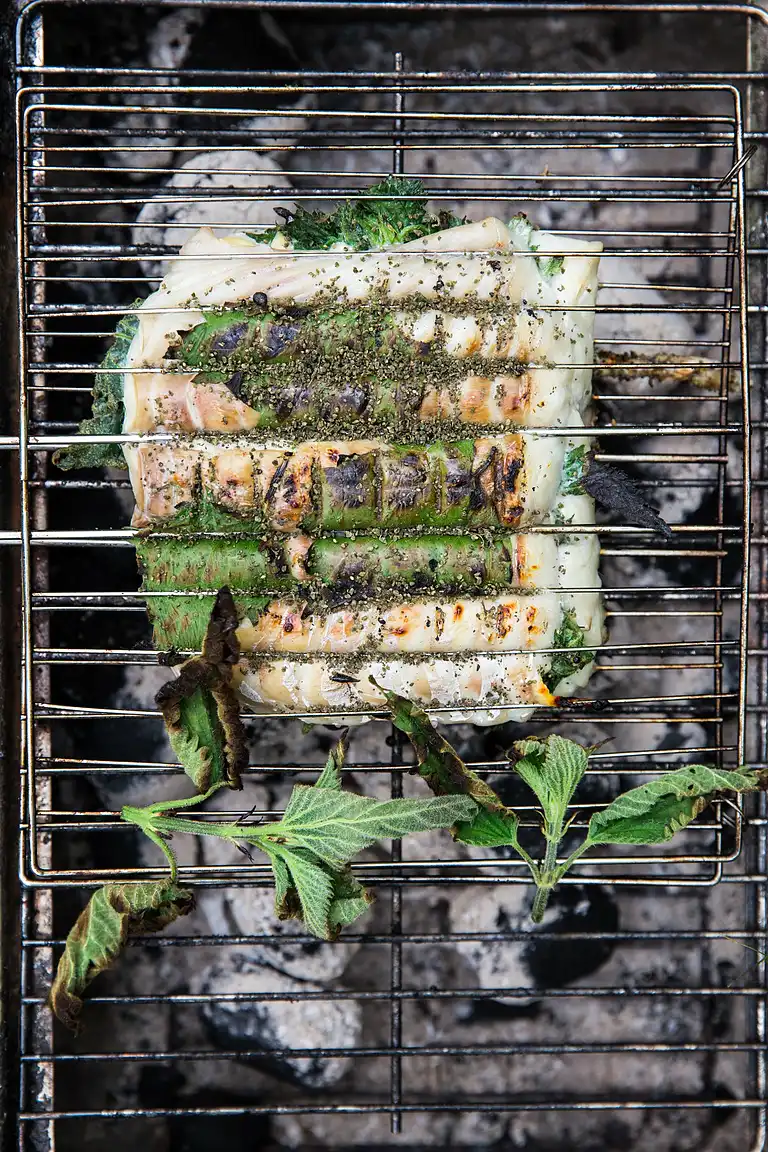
(552, 768)
(323, 827)
(309, 848)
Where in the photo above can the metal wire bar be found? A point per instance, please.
(707, 644)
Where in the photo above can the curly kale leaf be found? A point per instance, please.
(373, 221)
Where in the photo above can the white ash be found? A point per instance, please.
(273, 1025)
(250, 911)
(226, 187)
(169, 46)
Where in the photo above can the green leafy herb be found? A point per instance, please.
(113, 914)
(552, 769)
(654, 812)
(569, 634)
(373, 221)
(522, 231)
(441, 767)
(310, 848)
(108, 408)
(201, 710)
(575, 468)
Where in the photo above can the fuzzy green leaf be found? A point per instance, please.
(654, 812)
(200, 708)
(101, 931)
(330, 777)
(442, 768)
(552, 769)
(336, 825)
(311, 882)
(350, 900)
(489, 829)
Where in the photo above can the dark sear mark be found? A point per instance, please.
(458, 481)
(279, 336)
(343, 678)
(509, 469)
(477, 496)
(407, 481)
(349, 481)
(235, 386)
(277, 476)
(284, 214)
(226, 342)
(292, 401)
(507, 558)
(350, 397)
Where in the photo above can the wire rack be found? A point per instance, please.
(679, 679)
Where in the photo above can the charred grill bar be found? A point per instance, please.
(439, 1010)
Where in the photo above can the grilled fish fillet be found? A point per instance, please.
(553, 321)
(291, 500)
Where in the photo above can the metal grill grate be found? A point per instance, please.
(654, 167)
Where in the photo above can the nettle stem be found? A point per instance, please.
(547, 878)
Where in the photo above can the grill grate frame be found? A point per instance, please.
(726, 862)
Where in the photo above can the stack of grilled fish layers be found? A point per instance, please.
(375, 451)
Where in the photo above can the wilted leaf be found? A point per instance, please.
(113, 913)
(442, 768)
(654, 812)
(299, 875)
(200, 708)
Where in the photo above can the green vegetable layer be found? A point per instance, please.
(364, 563)
(370, 222)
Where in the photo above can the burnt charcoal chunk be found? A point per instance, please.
(227, 341)
(261, 1029)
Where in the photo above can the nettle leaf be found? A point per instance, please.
(439, 764)
(350, 900)
(101, 931)
(330, 777)
(336, 825)
(654, 812)
(108, 409)
(489, 829)
(309, 882)
(200, 708)
(552, 769)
